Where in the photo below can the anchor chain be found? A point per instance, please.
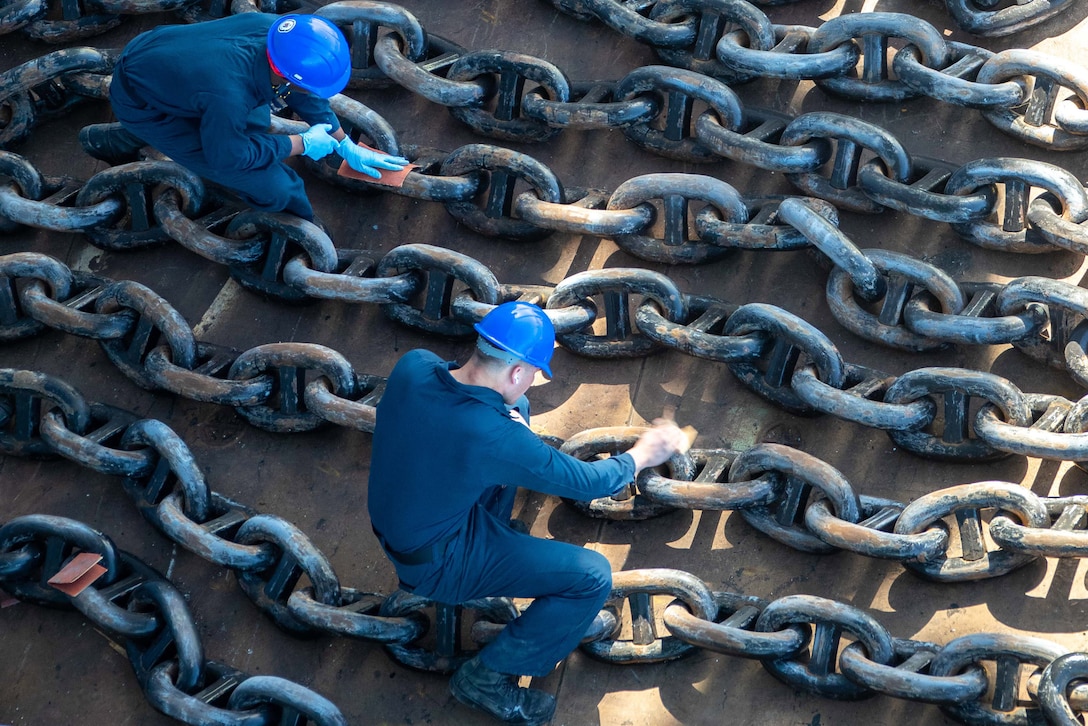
(136, 607)
(887, 297)
(795, 637)
(294, 387)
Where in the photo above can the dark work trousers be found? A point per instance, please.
(272, 188)
(569, 585)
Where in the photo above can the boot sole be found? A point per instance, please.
(466, 700)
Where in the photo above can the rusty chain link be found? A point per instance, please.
(848, 56)
(789, 495)
(136, 607)
(964, 196)
(690, 32)
(63, 22)
(293, 387)
(796, 637)
(648, 21)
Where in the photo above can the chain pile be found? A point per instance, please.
(668, 25)
(795, 637)
(888, 297)
(135, 606)
(290, 387)
(648, 22)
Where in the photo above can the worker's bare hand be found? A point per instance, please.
(658, 444)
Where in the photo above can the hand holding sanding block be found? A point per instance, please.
(388, 178)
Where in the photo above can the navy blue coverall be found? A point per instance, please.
(201, 94)
(446, 461)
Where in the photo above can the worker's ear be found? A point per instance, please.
(518, 373)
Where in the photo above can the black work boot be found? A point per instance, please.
(476, 685)
(111, 143)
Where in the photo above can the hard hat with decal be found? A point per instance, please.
(310, 52)
(523, 331)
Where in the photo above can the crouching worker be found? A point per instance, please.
(202, 95)
(451, 446)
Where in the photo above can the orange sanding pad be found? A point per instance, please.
(388, 178)
(79, 574)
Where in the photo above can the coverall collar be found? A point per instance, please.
(481, 393)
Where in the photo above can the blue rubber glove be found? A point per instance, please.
(316, 142)
(368, 162)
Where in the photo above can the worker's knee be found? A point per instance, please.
(597, 574)
(268, 192)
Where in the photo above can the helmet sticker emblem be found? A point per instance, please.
(286, 26)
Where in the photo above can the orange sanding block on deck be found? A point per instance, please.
(79, 574)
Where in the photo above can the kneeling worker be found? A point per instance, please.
(202, 95)
(451, 446)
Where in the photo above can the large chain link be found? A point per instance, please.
(796, 637)
(790, 495)
(143, 612)
(292, 387)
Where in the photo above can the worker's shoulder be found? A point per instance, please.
(242, 30)
(415, 363)
(419, 356)
(255, 20)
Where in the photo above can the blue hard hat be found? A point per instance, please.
(523, 330)
(311, 52)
